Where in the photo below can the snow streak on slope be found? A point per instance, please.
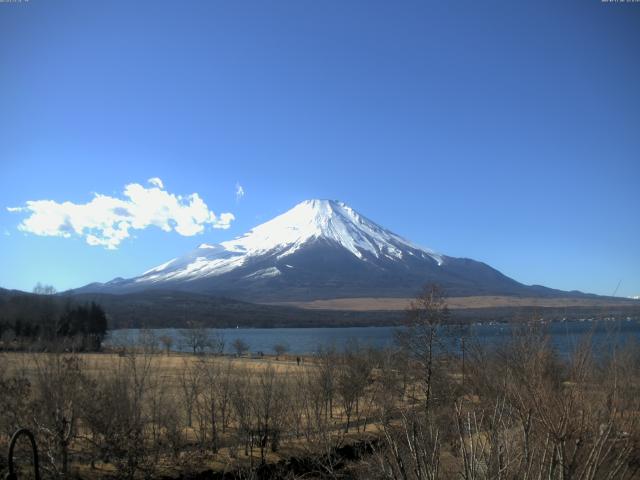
(330, 220)
(311, 220)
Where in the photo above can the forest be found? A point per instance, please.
(45, 321)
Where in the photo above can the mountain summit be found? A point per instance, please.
(317, 250)
(329, 220)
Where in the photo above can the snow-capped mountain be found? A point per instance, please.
(319, 249)
(306, 223)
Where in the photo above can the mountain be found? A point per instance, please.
(320, 249)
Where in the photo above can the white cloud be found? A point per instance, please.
(107, 221)
(156, 181)
(239, 191)
(224, 221)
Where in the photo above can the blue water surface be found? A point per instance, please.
(564, 336)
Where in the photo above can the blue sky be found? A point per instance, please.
(507, 132)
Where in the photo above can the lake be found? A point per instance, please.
(563, 335)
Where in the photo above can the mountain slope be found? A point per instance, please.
(320, 249)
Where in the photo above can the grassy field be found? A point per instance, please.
(456, 303)
(176, 386)
(515, 411)
(169, 366)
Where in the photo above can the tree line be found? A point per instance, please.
(43, 319)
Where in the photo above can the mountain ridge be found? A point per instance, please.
(321, 249)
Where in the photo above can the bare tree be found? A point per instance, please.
(352, 379)
(216, 342)
(315, 388)
(190, 385)
(167, 342)
(55, 406)
(268, 408)
(411, 448)
(537, 416)
(195, 338)
(280, 349)
(170, 422)
(41, 289)
(16, 391)
(426, 316)
(118, 412)
(224, 391)
(327, 365)
(148, 340)
(213, 400)
(240, 346)
(125, 395)
(240, 401)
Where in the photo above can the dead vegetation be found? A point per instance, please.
(365, 304)
(518, 411)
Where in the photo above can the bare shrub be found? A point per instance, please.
(167, 343)
(352, 380)
(268, 408)
(410, 447)
(420, 338)
(190, 386)
(280, 349)
(115, 414)
(540, 417)
(240, 346)
(199, 340)
(55, 406)
(212, 401)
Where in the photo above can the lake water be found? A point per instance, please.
(563, 335)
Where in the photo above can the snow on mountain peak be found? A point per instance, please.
(328, 220)
(322, 219)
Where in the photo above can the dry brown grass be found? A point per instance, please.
(168, 370)
(492, 383)
(394, 304)
(170, 366)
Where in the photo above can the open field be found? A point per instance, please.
(354, 414)
(456, 303)
(200, 404)
(170, 366)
